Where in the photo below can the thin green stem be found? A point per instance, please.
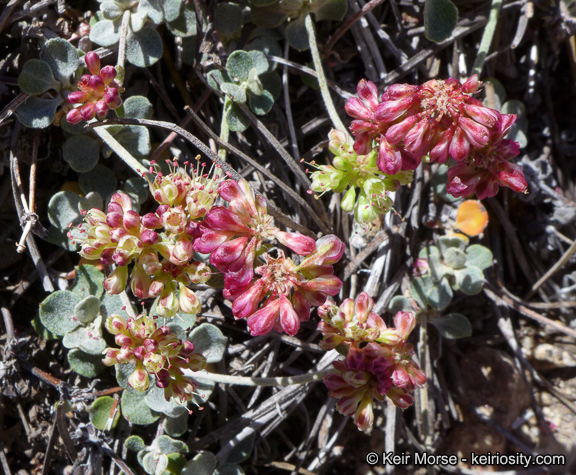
(224, 129)
(334, 117)
(487, 37)
(280, 381)
(120, 150)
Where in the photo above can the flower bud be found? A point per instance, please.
(77, 97)
(93, 62)
(108, 73)
(151, 221)
(139, 379)
(97, 85)
(116, 281)
(74, 117)
(115, 324)
(112, 98)
(101, 109)
(87, 111)
(189, 302)
(149, 237)
(349, 200)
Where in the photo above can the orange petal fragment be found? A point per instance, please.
(472, 217)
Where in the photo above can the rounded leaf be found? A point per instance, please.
(167, 445)
(297, 35)
(242, 451)
(138, 107)
(87, 309)
(440, 18)
(272, 83)
(455, 258)
(261, 104)
(419, 289)
(239, 65)
(452, 325)
(400, 304)
(38, 113)
(100, 179)
(176, 426)
(100, 412)
(440, 295)
(135, 139)
(259, 61)
(135, 409)
(331, 10)
(134, 443)
(236, 120)
(236, 93)
(84, 364)
(88, 282)
(57, 310)
(81, 152)
(88, 339)
(63, 209)
(227, 18)
(154, 463)
(470, 280)
(106, 32)
(112, 305)
(37, 78)
(479, 256)
(111, 10)
(209, 341)
(203, 464)
(153, 10)
(185, 25)
(156, 401)
(138, 189)
(229, 469)
(62, 58)
(446, 242)
(144, 47)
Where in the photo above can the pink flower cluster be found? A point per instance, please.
(439, 119)
(270, 290)
(154, 351)
(379, 360)
(160, 244)
(97, 94)
(235, 235)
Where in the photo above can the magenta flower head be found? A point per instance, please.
(437, 118)
(352, 323)
(484, 170)
(154, 351)
(232, 236)
(287, 291)
(97, 92)
(376, 369)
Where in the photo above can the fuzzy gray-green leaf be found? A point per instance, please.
(203, 464)
(38, 112)
(209, 341)
(452, 325)
(100, 179)
(440, 18)
(144, 48)
(239, 65)
(81, 152)
(176, 426)
(135, 409)
(331, 10)
(37, 78)
(419, 289)
(400, 304)
(84, 364)
(89, 282)
(455, 258)
(261, 104)
(236, 93)
(57, 310)
(157, 402)
(259, 61)
(111, 10)
(138, 107)
(63, 209)
(446, 242)
(479, 256)
(154, 463)
(62, 58)
(106, 32)
(167, 445)
(134, 443)
(100, 413)
(87, 309)
(185, 25)
(297, 35)
(236, 120)
(440, 295)
(470, 280)
(227, 18)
